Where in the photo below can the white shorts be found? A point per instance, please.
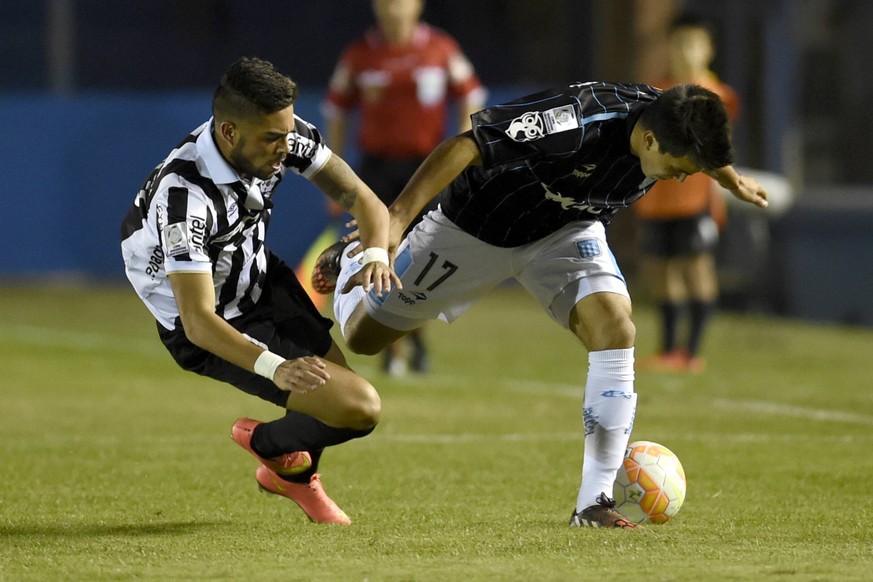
(445, 271)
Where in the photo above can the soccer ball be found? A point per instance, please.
(650, 485)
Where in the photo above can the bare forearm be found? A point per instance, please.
(210, 332)
(195, 298)
(742, 187)
(372, 220)
(727, 177)
(336, 133)
(344, 187)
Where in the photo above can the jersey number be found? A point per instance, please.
(448, 266)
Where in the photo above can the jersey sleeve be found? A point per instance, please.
(184, 221)
(307, 151)
(529, 128)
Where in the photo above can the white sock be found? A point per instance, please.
(344, 304)
(610, 405)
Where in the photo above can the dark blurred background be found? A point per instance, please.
(95, 92)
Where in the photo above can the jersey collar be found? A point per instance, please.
(219, 170)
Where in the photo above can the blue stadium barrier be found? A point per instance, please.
(73, 166)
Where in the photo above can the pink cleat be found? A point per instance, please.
(310, 497)
(287, 464)
(672, 361)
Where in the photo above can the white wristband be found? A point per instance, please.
(374, 255)
(267, 363)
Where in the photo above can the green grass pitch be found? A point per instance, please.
(116, 464)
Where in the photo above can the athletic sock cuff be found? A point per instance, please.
(620, 361)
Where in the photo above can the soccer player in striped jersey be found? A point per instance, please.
(226, 306)
(526, 196)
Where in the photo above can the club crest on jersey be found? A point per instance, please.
(527, 127)
(535, 125)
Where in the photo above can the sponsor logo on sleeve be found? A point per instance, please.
(198, 234)
(301, 147)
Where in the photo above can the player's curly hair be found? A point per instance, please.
(691, 120)
(251, 86)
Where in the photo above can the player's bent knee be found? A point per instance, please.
(611, 333)
(621, 333)
(363, 407)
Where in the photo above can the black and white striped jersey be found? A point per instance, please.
(549, 159)
(195, 213)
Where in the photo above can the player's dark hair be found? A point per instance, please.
(689, 120)
(251, 86)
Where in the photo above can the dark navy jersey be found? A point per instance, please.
(549, 159)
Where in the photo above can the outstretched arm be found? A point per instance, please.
(743, 187)
(443, 165)
(343, 186)
(195, 298)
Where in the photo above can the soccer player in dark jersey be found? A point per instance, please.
(526, 196)
(227, 307)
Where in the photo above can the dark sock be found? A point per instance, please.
(300, 432)
(670, 313)
(700, 312)
(418, 359)
(388, 354)
(416, 340)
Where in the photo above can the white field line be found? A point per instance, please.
(49, 337)
(766, 407)
(577, 437)
(451, 439)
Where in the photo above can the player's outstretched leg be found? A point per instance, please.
(309, 496)
(601, 514)
(287, 464)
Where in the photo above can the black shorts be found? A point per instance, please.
(284, 319)
(678, 237)
(387, 177)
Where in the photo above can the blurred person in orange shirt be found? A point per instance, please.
(680, 220)
(400, 76)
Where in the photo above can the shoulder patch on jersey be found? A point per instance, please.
(588, 248)
(176, 239)
(535, 124)
(560, 119)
